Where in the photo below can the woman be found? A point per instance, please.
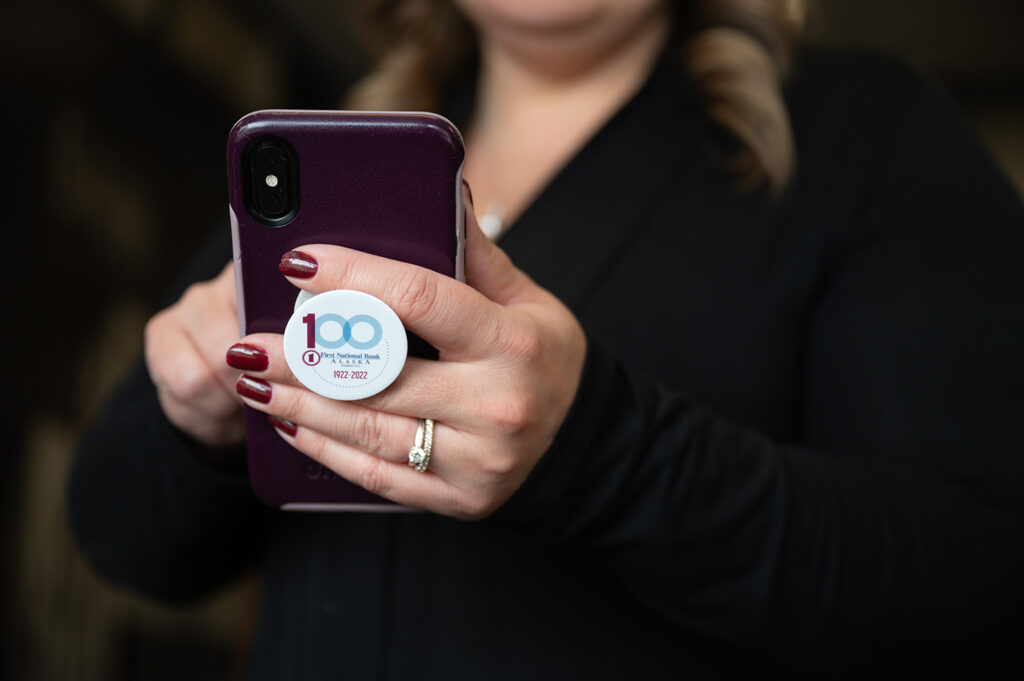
(749, 403)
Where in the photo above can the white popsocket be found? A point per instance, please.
(345, 345)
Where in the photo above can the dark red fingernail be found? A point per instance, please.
(298, 264)
(253, 388)
(247, 357)
(469, 192)
(285, 425)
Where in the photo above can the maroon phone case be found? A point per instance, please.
(383, 183)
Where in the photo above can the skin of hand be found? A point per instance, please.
(184, 350)
(511, 356)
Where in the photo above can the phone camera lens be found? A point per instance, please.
(272, 188)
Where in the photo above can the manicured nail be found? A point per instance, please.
(298, 264)
(247, 357)
(284, 425)
(253, 388)
(469, 192)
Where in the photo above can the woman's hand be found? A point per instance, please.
(184, 347)
(511, 359)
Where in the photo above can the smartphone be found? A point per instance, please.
(389, 184)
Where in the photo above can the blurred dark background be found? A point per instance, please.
(115, 117)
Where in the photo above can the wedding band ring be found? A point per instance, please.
(419, 453)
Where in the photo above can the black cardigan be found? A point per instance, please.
(797, 445)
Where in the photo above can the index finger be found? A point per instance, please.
(453, 317)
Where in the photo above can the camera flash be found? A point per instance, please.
(271, 180)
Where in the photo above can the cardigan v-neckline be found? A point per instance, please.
(596, 201)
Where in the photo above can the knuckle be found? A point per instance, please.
(191, 383)
(416, 294)
(497, 465)
(317, 448)
(289, 403)
(523, 345)
(342, 271)
(375, 477)
(368, 433)
(339, 273)
(512, 414)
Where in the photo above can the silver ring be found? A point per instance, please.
(419, 453)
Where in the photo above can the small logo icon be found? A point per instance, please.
(345, 345)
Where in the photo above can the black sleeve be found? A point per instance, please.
(894, 527)
(147, 510)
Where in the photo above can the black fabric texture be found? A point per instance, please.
(796, 449)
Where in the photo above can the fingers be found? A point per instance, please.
(448, 314)
(511, 359)
(382, 435)
(224, 286)
(425, 388)
(454, 318)
(261, 354)
(430, 389)
(193, 385)
(461, 322)
(397, 482)
(434, 490)
(488, 269)
(211, 349)
(178, 368)
(379, 434)
(205, 317)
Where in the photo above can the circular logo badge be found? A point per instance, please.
(345, 345)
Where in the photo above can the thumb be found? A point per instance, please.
(488, 269)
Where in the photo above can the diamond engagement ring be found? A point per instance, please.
(419, 453)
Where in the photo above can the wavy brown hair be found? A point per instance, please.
(737, 52)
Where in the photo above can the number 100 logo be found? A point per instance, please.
(314, 331)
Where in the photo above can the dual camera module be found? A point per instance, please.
(272, 181)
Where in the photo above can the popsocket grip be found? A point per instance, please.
(345, 345)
